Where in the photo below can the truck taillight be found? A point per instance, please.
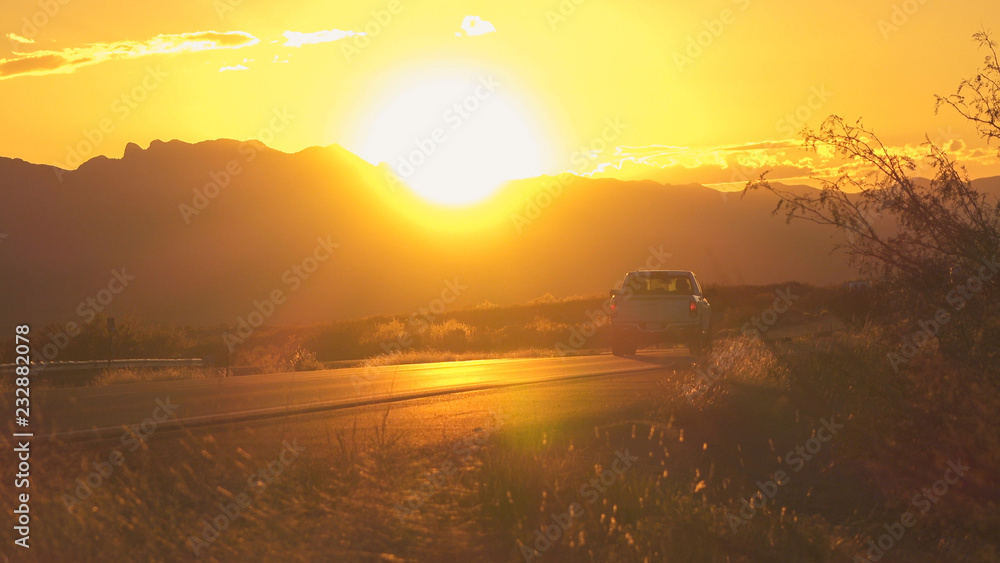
(693, 309)
(614, 308)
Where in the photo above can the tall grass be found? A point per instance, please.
(116, 376)
(698, 462)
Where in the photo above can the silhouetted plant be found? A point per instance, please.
(923, 239)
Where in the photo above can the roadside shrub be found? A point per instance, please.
(450, 335)
(923, 240)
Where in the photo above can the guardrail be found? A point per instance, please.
(106, 364)
(93, 365)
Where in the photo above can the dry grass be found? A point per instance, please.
(699, 460)
(335, 502)
(137, 375)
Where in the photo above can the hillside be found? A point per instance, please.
(204, 259)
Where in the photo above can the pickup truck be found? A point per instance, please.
(660, 307)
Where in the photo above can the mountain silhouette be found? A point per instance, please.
(207, 232)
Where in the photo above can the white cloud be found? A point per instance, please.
(231, 68)
(19, 39)
(298, 38)
(475, 25)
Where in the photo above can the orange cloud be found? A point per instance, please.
(786, 160)
(69, 59)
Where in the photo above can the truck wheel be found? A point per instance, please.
(622, 345)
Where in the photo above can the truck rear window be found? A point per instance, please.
(658, 283)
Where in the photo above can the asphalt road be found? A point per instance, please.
(100, 412)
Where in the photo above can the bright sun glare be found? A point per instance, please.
(454, 141)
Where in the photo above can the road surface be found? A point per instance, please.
(86, 413)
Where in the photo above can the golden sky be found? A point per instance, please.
(670, 90)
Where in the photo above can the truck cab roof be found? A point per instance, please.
(667, 272)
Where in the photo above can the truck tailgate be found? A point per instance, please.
(666, 309)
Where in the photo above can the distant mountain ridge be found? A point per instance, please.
(209, 229)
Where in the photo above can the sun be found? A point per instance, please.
(455, 140)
